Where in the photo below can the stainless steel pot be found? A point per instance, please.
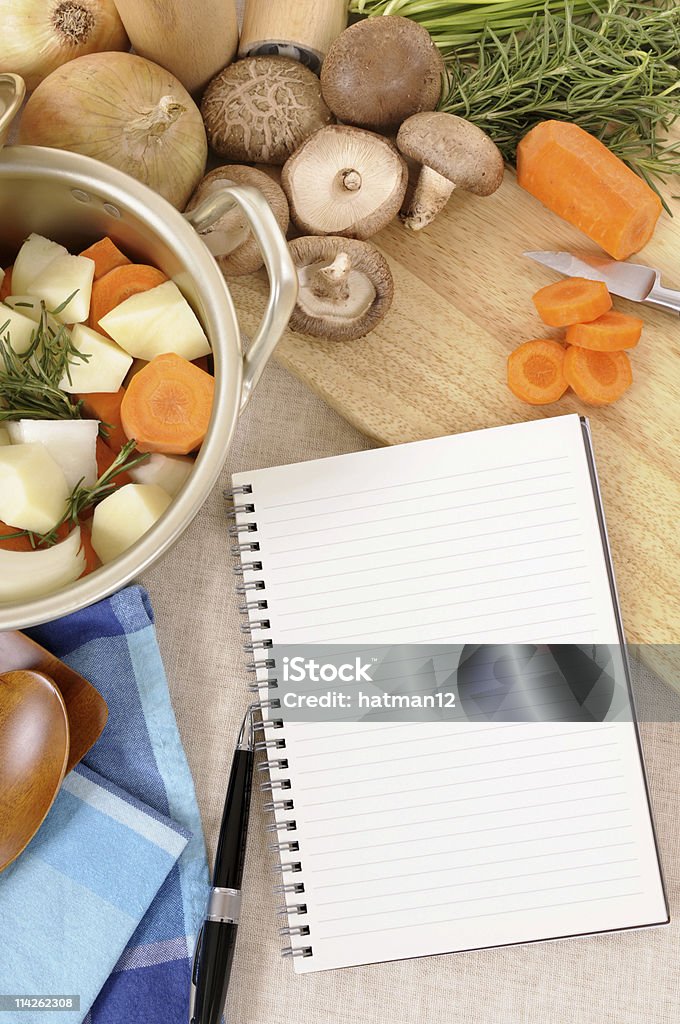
(75, 200)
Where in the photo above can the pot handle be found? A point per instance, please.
(12, 92)
(283, 282)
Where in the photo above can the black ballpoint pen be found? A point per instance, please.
(217, 939)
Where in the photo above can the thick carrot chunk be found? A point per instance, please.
(535, 372)
(118, 285)
(598, 378)
(6, 286)
(106, 256)
(105, 407)
(609, 333)
(572, 301)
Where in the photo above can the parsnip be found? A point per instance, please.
(33, 488)
(157, 321)
(106, 368)
(18, 327)
(125, 516)
(61, 278)
(33, 257)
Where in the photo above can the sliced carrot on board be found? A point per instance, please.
(572, 301)
(105, 407)
(167, 406)
(535, 372)
(118, 285)
(581, 180)
(6, 286)
(106, 255)
(609, 333)
(598, 378)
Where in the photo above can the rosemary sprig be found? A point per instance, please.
(30, 381)
(82, 498)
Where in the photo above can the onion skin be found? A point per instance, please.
(127, 112)
(39, 36)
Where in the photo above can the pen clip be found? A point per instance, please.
(194, 975)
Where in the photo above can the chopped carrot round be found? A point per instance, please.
(6, 286)
(535, 372)
(118, 285)
(573, 301)
(106, 256)
(598, 378)
(106, 456)
(609, 333)
(91, 560)
(105, 407)
(167, 406)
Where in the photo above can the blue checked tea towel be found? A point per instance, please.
(106, 900)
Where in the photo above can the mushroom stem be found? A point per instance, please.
(351, 180)
(332, 281)
(431, 195)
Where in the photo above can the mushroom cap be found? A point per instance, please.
(246, 258)
(345, 324)
(381, 71)
(344, 181)
(260, 109)
(454, 148)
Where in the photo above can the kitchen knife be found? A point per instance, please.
(629, 280)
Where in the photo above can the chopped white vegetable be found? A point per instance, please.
(61, 278)
(4, 436)
(34, 256)
(168, 471)
(71, 443)
(31, 307)
(33, 488)
(19, 328)
(28, 574)
(106, 368)
(123, 517)
(155, 322)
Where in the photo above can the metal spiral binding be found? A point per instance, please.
(254, 603)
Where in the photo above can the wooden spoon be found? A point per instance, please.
(34, 746)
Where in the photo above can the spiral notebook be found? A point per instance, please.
(399, 840)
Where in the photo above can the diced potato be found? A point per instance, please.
(61, 278)
(124, 517)
(168, 471)
(106, 368)
(157, 321)
(34, 256)
(4, 437)
(28, 574)
(71, 443)
(33, 488)
(19, 328)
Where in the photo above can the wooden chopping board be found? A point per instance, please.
(436, 365)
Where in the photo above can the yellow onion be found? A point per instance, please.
(127, 112)
(38, 36)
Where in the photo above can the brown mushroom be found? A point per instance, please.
(260, 109)
(381, 71)
(454, 153)
(230, 239)
(346, 287)
(344, 181)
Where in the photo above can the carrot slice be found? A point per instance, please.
(105, 407)
(598, 378)
(535, 372)
(105, 458)
(572, 301)
(609, 333)
(6, 286)
(91, 560)
(14, 540)
(167, 405)
(106, 256)
(581, 180)
(118, 285)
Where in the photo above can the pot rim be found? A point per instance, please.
(221, 324)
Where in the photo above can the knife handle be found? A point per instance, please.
(664, 298)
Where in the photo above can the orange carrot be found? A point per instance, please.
(106, 256)
(91, 560)
(105, 407)
(6, 286)
(118, 285)
(167, 406)
(609, 333)
(579, 179)
(572, 301)
(598, 378)
(105, 458)
(14, 540)
(535, 372)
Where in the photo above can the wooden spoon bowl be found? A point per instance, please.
(34, 749)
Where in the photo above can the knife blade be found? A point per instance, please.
(629, 280)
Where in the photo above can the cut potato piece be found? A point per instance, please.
(61, 278)
(33, 488)
(34, 256)
(4, 437)
(71, 443)
(124, 517)
(31, 307)
(157, 321)
(104, 371)
(28, 574)
(19, 328)
(168, 471)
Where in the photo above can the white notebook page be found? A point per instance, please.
(429, 838)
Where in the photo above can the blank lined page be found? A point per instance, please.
(430, 838)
